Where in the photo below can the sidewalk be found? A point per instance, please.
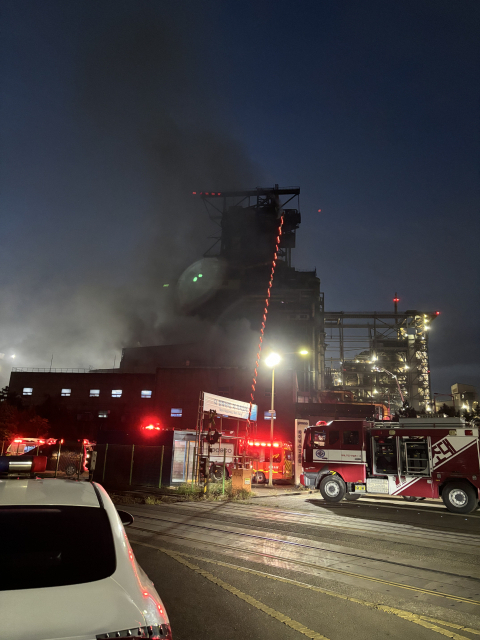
(264, 491)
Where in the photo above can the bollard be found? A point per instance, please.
(58, 457)
(104, 463)
(223, 479)
(131, 466)
(161, 469)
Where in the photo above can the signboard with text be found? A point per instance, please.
(300, 426)
(228, 407)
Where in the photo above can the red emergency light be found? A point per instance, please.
(321, 423)
(18, 440)
(396, 299)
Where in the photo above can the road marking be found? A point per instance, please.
(399, 585)
(423, 621)
(289, 622)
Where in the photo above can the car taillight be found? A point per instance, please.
(155, 632)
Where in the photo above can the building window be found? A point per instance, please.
(103, 414)
(176, 413)
(66, 393)
(27, 391)
(146, 393)
(116, 393)
(94, 393)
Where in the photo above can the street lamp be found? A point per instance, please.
(271, 361)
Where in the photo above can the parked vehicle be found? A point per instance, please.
(70, 570)
(282, 462)
(73, 454)
(414, 458)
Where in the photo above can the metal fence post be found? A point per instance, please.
(104, 463)
(131, 466)
(223, 479)
(161, 469)
(188, 461)
(81, 461)
(58, 457)
(194, 468)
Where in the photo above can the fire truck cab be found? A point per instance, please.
(414, 458)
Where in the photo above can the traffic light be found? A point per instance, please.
(211, 418)
(203, 466)
(213, 436)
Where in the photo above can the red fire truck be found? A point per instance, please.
(258, 452)
(414, 458)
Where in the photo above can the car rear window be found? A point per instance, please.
(54, 546)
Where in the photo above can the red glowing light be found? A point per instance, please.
(18, 440)
(219, 194)
(206, 193)
(321, 423)
(275, 444)
(437, 313)
(41, 442)
(150, 427)
(250, 442)
(146, 594)
(264, 444)
(194, 193)
(396, 299)
(319, 211)
(62, 441)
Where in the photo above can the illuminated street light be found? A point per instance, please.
(272, 360)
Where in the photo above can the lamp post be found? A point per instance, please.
(271, 361)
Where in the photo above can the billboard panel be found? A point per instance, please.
(228, 407)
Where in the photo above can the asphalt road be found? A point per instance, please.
(295, 567)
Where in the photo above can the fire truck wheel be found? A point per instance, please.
(352, 496)
(332, 488)
(70, 470)
(260, 477)
(459, 497)
(217, 473)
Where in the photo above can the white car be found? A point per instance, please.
(67, 570)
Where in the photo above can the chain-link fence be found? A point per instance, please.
(120, 466)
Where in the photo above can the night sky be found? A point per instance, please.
(112, 113)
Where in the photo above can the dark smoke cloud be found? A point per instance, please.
(122, 221)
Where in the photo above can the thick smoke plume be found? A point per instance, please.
(149, 130)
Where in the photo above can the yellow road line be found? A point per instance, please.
(361, 576)
(293, 624)
(423, 621)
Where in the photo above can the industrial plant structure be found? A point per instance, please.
(356, 361)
